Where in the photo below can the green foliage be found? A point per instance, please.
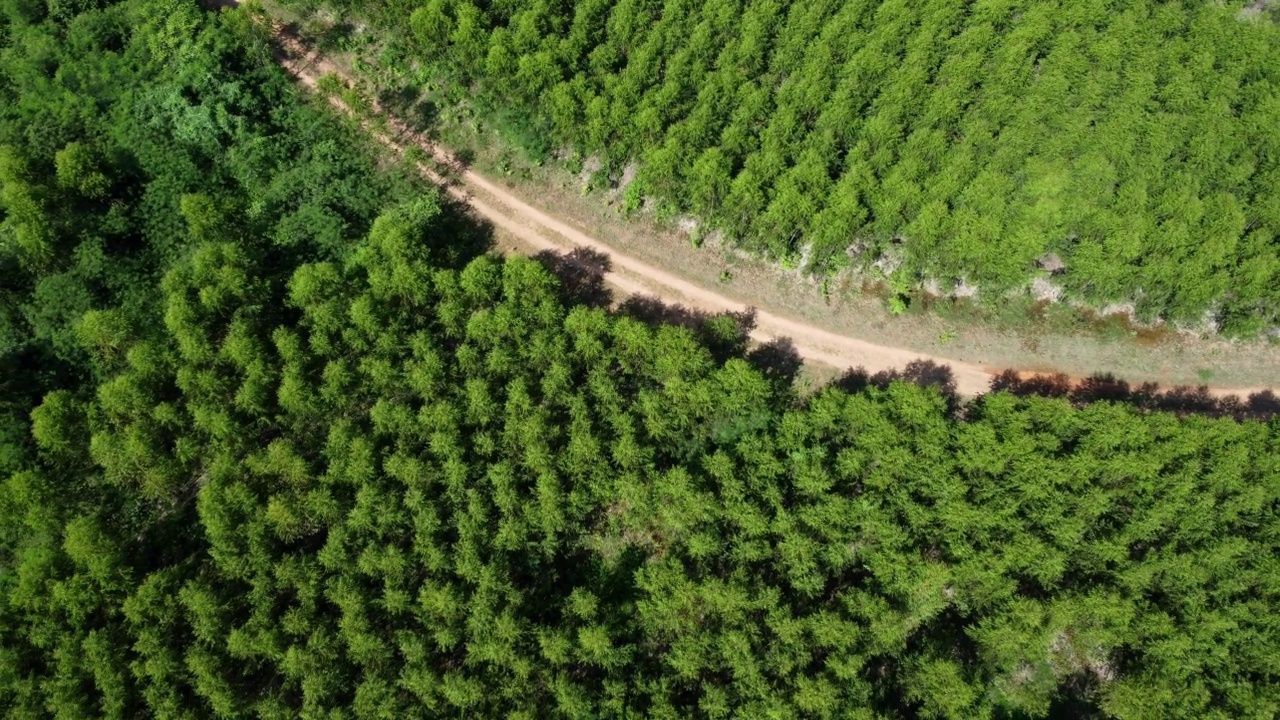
(1133, 140)
(78, 170)
(277, 444)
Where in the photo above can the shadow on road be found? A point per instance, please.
(727, 335)
(1147, 396)
(581, 273)
(925, 373)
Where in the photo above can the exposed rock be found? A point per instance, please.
(1042, 289)
(590, 166)
(806, 253)
(1052, 263)
(964, 290)
(1126, 309)
(1255, 10)
(887, 263)
(628, 176)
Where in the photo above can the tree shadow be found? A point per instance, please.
(470, 235)
(462, 160)
(651, 310)
(1104, 387)
(292, 30)
(332, 38)
(581, 274)
(726, 335)
(406, 104)
(777, 360)
(1056, 386)
(924, 373)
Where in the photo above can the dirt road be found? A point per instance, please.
(540, 231)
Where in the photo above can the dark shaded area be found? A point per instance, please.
(924, 373)
(330, 38)
(325, 37)
(406, 104)
(777, 360)
(463, 158)
(582, 282)
(581, 273)
(1104, 387)
(1046, 385)
(726, 335)
(470, 235)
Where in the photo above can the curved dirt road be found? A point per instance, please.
(540, 231)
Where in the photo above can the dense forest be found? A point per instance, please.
(1123, 150)
(279, 439)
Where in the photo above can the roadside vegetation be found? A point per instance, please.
(1118, 155)
(279, 439)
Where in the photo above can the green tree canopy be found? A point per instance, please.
(277, 443)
